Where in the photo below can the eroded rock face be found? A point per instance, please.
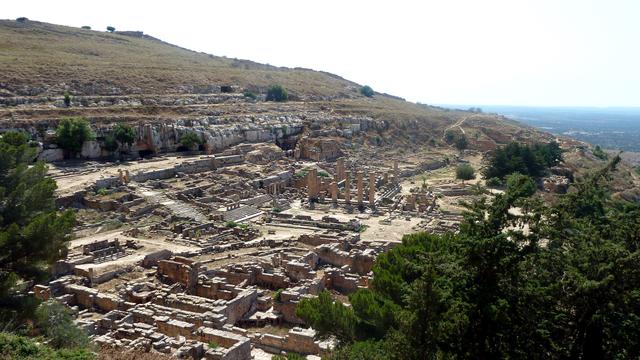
(91, 150)
(50, 155)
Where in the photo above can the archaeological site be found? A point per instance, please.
(208, 205)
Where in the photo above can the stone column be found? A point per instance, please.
(340, 169)
(385, 179)
(312, 184)
(396, 172)
(360, 185)
(334, 193)
(411, 201)
(372, 189)
(347, 188)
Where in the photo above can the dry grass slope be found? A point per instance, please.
(40, 59)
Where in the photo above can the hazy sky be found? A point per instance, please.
(511, 52)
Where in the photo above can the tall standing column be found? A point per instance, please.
(372, 189)
(396, 172)
(312, 184)
(340, 169)
(347, 188)
(360, 185)
(334, 193)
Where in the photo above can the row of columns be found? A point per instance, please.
(313, 183)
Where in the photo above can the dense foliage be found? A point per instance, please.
(366, 91)
(531, 160)
(277, 93)
(599, 153)
(465, 172)
(124, 134)
(21, 348)
(568, 288)
(190, 140)
(32, 233)
(54, 321)
(72, 133)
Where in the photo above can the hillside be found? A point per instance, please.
(110, 75)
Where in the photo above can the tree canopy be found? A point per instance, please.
(531, 160)
(124, 134)
(277, 93)
(367, 91)
(190, 140)
(567, 288)
(465, 172)
(33, 234)
(72, 133)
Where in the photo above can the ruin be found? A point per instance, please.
(206, 256)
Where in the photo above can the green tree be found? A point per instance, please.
(86, 27)
(461, 142)
(567, 288)
(328, 317)
(111, 29)
(56, 323)
(22, 348)
(67, 99)
(250, 94)
(525, 159)
(366, 91)
(72, 133)
(597, 152)
(277, 93)
(519, 185)
(33, 234)
(190, 140)
(124, 134)
(465, 172)
(110, 143)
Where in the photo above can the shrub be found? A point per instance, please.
(277, 295)
(213, 345)
(519, 185)
(449, 136)
(323, 173)
(67, 99)
(250, 95)
(19, 347)
(231, 224)
(465, 172)
(277, 93)
(22, 19)
(597, 152)
(15, 138)
(366, 91)
(72, 133)
(124, 134)
(57, 325)
(461, 142)
(493, 182)
(328, 317)
(86, 27)
(111, 29)
(110, 143)
(190, 140)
